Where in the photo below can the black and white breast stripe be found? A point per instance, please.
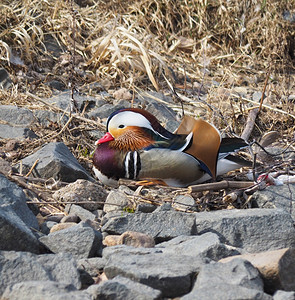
(132, 164)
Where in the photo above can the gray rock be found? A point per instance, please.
(289, 16)
(12, 132)
(105, 110)
(125, 250)
(184, 202)
(161, 225)
(16, 219)
(14, 115)
(62, 101)
(276, 197)
(283, 295)
(257, 96)
(121, 288)
(79, 211)
(226, 292)
(205, 245)
(5, 81)
(71, 218)
(16, 267)
(82, 190)
(80, 240)
(145, 207)
(162, 112)
(236, 272)
(46, 226)
(46, 117)
(92, 265)
(56, 160)
(45, 290)
(172, 274)
(254, 230)
(115, 201)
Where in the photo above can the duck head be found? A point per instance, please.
(132, 129)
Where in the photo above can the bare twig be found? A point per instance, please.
(250, 124)
(32, 168)
(264, 88)
(220, 185)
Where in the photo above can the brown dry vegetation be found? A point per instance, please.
(144, 44)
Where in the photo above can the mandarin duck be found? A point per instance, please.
(136, 146)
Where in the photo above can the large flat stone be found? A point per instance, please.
(254, 230)
(161, 225)
(45, 290)
(205, 245)
(23, 266)
(172, 274)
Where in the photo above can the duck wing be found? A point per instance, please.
(205, 142)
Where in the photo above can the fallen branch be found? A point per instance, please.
(220, 185)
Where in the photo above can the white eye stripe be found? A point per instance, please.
(129, 118)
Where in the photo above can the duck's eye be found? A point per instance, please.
(121, 126)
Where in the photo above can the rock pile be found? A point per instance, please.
(100, 249)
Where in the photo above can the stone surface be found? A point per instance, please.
(80, 240)
(104, 110)
(62, 226)
(16, 219)
(115, 200)
(226, 292)
(14, 115)
(45, 290)
(93, 266)
(184, 202)
(283, 295)
(62, 100)
(277, 268)
(12, 132)
(82, 191)
(16, 267)
(161, 225)
(236, 272)
(47, 118)
(163, 113)
(56, 160)
(121, 288)
(73, 218)
(5, 81)
(79, 211)
(46, 226)
(111, 240)
(205, 245)
(136, 239)
(172, 274)
(254, 230)
(275, 197)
